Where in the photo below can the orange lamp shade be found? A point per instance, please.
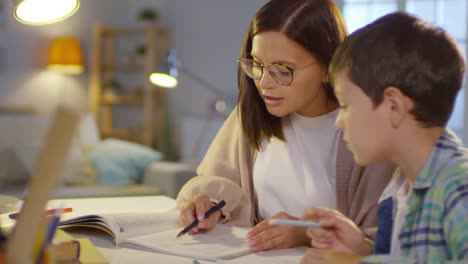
(65, 55)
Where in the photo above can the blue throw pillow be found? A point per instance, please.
(121, 162)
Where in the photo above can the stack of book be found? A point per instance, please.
(65, 248)
(69, 250)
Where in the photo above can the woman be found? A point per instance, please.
(279, 153)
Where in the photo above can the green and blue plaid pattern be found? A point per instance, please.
(436, 226)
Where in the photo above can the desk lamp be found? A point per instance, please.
(166, 75)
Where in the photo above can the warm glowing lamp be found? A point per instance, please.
(166, 75)
(65, 55)
(41, 12)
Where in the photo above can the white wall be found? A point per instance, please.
(207, 35)
(24, 79)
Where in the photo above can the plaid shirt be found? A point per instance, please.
(436, 226)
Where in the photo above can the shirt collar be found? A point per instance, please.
(446, 146)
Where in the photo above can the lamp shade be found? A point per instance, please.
(65, 55)
(41, 12)
(166, 73)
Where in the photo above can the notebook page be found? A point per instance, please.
(276, 256)
(121, 226)
(222, 242)
(132, 225)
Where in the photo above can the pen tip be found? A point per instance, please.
(179, 235)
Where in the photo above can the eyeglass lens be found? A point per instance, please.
(280, 73)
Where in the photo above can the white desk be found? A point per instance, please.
(113, 253)
(103, 242)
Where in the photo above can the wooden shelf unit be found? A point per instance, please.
(106, 65)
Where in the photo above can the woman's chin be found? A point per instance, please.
(362, 161)
(277, 111)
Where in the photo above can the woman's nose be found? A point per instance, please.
(266, 81)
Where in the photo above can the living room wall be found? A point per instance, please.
(207, 35)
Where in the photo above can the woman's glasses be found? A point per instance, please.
(281, 73)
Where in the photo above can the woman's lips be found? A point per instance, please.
(273, 101)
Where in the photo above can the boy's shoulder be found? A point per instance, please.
(447, 169)
(453, 176)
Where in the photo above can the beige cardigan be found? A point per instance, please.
(226, 173)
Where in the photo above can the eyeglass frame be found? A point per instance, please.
(263, 66)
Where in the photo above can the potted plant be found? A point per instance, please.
(148, 15)
(140, 52)
(111, 87)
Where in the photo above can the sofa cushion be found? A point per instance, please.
(120, 162)
(78, 169)
(21, 141)
(12, 169)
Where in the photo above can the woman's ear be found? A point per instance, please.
(398, 105)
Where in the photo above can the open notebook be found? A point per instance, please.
(42, 183)
(157, 232)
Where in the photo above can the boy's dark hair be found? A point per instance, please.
(400, 50)
(317, 25)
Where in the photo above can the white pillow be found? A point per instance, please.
(88, 134)
(26, 134)
(12, 170)
(78, 170)
(23, 134)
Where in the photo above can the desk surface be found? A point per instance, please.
(115, 254)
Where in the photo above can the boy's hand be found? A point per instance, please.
(337, 232)
(265, 236)
(314, 256)
(196, 207)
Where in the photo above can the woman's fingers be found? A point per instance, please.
(202, 204)
(210, 222)
(196, 209)
(186, 214)
(268, 239)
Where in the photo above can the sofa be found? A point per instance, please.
(93, 167)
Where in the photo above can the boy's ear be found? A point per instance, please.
(399, 106)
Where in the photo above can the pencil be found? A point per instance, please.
(293, 223)
(212, 210)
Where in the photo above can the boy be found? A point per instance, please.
(396, 81)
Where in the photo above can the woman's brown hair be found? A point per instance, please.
(317, 25)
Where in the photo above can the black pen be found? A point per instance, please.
(212, 210)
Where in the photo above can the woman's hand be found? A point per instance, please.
(337, 232)
(265, 236)
(196, 208)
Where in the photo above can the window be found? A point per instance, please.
(449, 14)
